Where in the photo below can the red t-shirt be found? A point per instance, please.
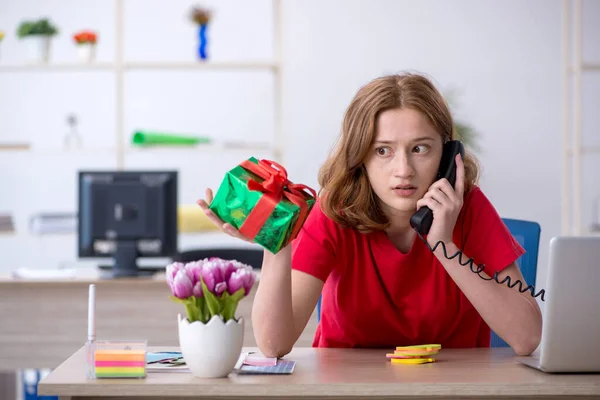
(376, 296)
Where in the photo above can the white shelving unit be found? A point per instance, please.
(120, 67)
(574, 150)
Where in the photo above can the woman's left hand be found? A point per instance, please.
(446, 203)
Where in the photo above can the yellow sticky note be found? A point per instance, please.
(420, 347)
(409, 355)
(411, 360)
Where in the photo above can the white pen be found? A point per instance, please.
(90, 344)
(92, 314)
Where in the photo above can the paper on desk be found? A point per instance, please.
(165, 362)
(255, 364)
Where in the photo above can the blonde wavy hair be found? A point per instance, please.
(346, 195)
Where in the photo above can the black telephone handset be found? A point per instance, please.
(421, 220)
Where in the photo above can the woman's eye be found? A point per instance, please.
(421, 148)
(383, 151)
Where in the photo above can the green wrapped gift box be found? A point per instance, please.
(257, 199)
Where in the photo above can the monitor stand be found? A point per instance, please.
(125, 265)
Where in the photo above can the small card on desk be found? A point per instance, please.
(165, 362)
(255, 364)
(282, 367)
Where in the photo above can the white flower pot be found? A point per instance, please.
(38, 48)
(211, 350)
(86, 52)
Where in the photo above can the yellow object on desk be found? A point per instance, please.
(420, 347)
(191, 218)
(412, 360)
(419, 354)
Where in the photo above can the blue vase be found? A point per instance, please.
(202, 41)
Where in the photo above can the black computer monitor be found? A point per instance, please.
(126, 215)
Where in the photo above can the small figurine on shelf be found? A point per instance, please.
(86, 45)
(201, 17)
(72, 138)
(37, 35)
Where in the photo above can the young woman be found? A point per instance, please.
(381, 285)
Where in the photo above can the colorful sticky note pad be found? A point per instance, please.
(119, 363)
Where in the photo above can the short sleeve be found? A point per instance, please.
(484, 236)
(313, 250)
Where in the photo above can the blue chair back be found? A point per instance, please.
(319, 309)
(527, 233)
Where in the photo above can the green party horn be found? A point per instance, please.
(145, 138)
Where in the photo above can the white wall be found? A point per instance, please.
(504, 57)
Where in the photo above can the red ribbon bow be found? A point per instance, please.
(275, 187)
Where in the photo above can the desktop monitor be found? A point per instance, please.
(126, 215)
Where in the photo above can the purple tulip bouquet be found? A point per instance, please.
(210, 287)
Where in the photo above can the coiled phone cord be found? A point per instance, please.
(479, 269)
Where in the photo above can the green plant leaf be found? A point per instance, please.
(39, 27)
(213, 303)
(200, 306)
(237, 296)
(224, 299)
(205, 311)
(192, 314)
(193, 308)
(178, 300)
(230, 303)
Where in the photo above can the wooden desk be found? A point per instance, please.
(340, 373)
(45, 322)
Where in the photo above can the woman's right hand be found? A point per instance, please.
(224, 226)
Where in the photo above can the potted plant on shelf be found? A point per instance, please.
(211, 337)
(465, 131)
(37, 36)
(86, 45)
(201, 17)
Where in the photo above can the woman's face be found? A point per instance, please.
(404, 159)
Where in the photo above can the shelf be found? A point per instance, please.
(586, 150)
(143, 149)
(585, 67)
(201, 148)
(27, 235)
(149, 65)
(14, 146)
(57, 151)
(58, 67)
(187, 240)
(590, 67)
(141, 65)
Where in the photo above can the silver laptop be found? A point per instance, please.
(571, 326)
